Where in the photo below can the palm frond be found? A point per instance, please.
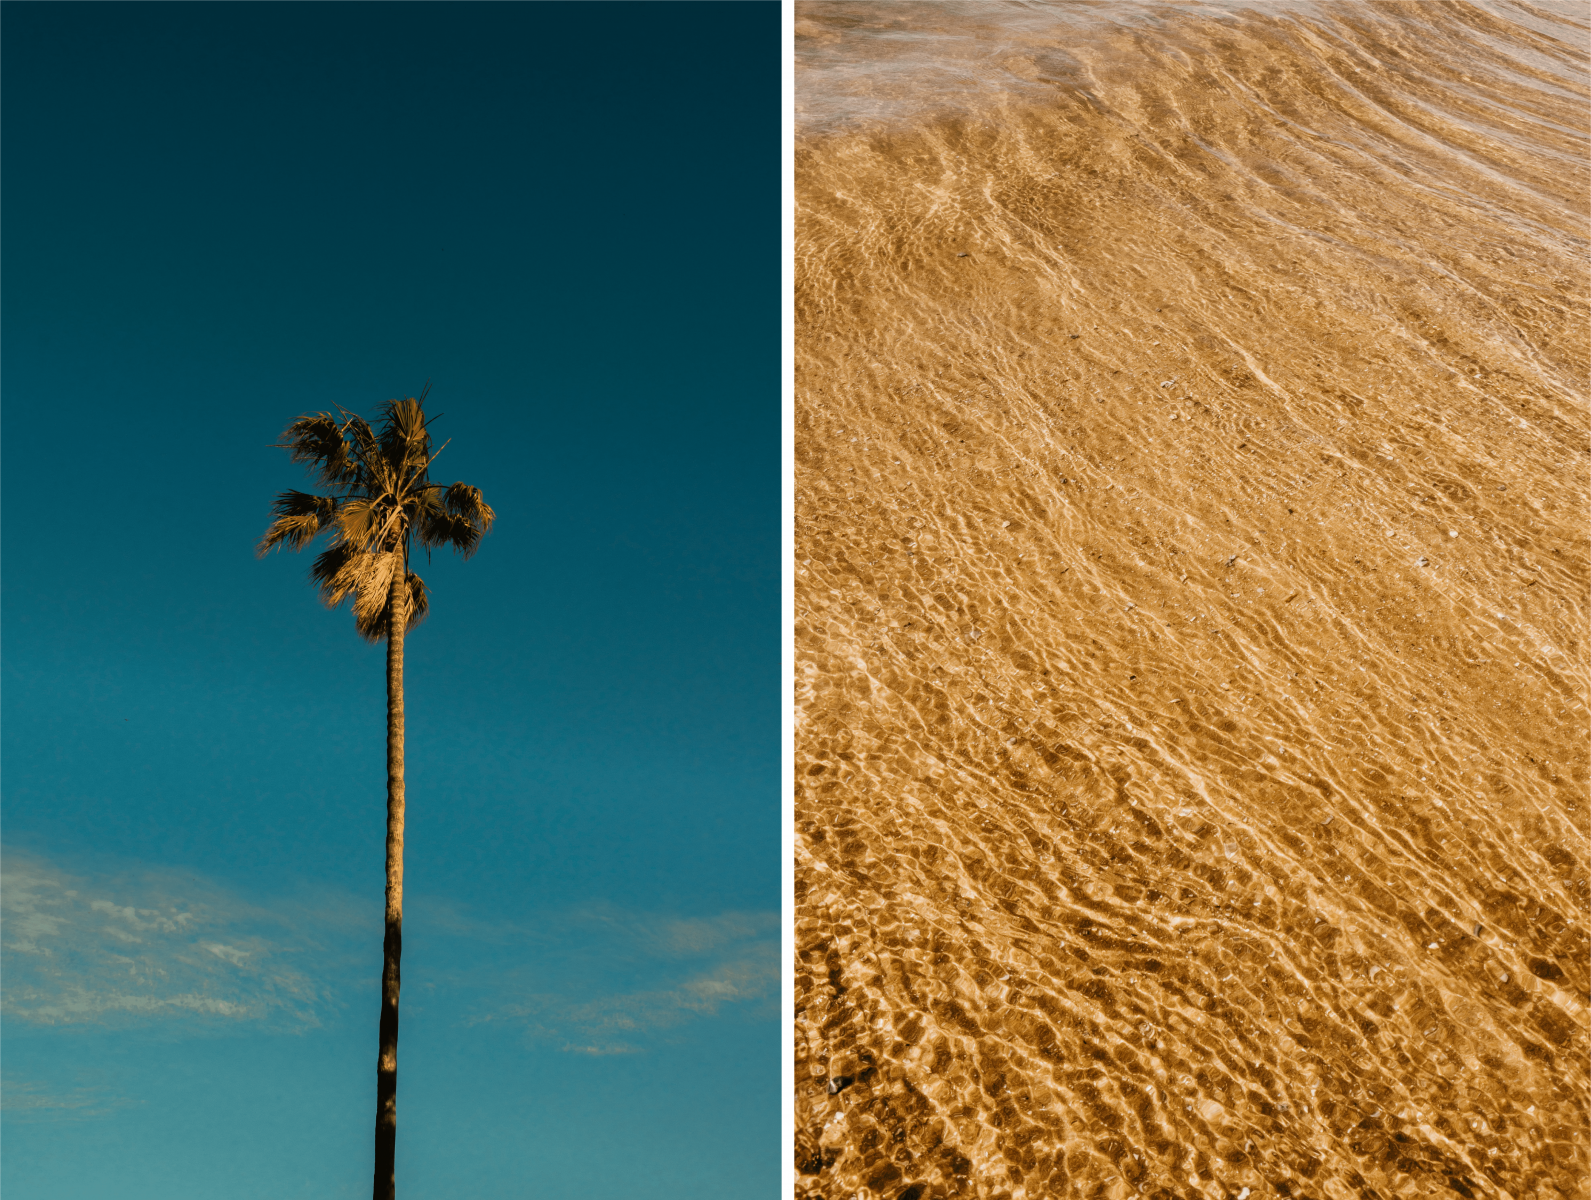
(293, 532)
(300, 517)
(357, 521)
(419, 602)
(348, 572)
(293, 503)
(405, 444)
(374, 476)
(460, 520)
(373, 622)
(318, 441)
(372, 588)
(425, 508)
(465, 501)
(444, 529)
(327, 573)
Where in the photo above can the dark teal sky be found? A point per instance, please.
(217, 217)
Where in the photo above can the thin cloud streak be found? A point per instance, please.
(147, 946)
(737, 965)
(28, 1100)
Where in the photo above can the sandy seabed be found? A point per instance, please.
(1191, 590)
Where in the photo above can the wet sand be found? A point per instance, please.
(1191, 591)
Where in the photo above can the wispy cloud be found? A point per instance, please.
(752, 975)
(147, 946)
(706, 935)
(669, 971)
(28, 1100)
(663, 936)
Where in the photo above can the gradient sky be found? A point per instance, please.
(217, 217)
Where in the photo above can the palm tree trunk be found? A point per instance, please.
(392, 944)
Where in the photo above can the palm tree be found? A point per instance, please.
(382, 501)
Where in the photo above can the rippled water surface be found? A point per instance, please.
(1191, 600)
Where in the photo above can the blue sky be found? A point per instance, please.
(217, 217)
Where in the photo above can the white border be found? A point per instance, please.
(787, 654)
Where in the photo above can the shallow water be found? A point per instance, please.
(1191, 600)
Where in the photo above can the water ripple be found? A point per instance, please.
(1191, 601)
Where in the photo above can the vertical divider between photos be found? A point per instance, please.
(787, 597)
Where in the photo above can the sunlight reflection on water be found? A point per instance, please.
(1191, 779)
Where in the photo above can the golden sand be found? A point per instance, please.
(1191, 591)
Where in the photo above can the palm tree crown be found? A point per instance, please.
(383, 500)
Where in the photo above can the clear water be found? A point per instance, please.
(1192, 595)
